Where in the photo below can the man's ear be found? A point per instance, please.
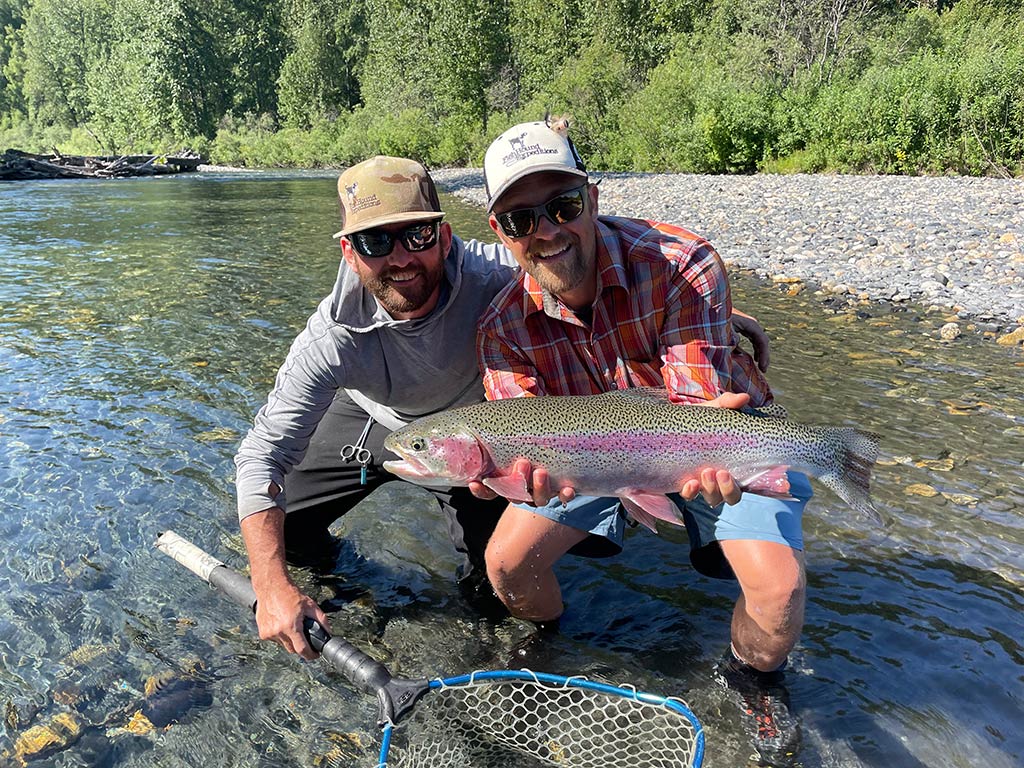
(445, 231)
(494, 225)
(348, 252)
(592, 191)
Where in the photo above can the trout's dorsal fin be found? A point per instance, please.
(771, 410)
(653, 394)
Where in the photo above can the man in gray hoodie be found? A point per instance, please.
(395, 340)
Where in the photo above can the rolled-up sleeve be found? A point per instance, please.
(505, 374)
(700, 355)
(696, 339)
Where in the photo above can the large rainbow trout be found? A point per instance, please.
(634, 444)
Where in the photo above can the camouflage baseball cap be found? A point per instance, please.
(386, 190)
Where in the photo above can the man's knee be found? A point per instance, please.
(504, 569)
(775, 600)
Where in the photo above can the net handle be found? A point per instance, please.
(396, 696)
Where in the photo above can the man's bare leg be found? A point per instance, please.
(769, 614)
(520, 558)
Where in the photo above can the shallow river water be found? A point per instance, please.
(141, 325)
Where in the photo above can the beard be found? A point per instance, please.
(402, 297)
(563, 274)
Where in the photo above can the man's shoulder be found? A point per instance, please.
(507, 307)
(649, 240)
(486, 259)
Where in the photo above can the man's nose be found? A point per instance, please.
(400, 256)
(545, 226)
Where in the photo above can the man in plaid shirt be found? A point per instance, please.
(606, 303)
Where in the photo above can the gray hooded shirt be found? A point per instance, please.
(396, 370)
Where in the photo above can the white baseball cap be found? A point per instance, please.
(524, 149)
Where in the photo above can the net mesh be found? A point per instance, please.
(528, 722)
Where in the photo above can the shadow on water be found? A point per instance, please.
(141, 324)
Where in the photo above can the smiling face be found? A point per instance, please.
(406, 283)
(562, 258)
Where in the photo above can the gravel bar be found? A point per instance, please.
(954, 244)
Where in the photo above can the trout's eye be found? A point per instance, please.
(418, 444)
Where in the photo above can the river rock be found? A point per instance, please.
(1012, 339)
(949, 331)
(42, 740)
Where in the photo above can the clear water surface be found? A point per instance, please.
(141, 324)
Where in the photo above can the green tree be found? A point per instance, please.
(468, 46)
(252, 43)
(12, 20)
(162, 77)
(397, 71)
(591, 89)
(63, 40)
(320, 74)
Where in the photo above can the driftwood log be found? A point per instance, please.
(17, 165)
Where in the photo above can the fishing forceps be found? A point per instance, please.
(359, 453)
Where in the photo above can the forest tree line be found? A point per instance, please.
(885, 86)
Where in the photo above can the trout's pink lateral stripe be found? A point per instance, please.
(641, 442)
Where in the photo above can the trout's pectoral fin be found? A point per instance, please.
(771, 482)
(512, 487)
(647, 507)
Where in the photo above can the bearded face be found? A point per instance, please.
(405, 283)
(561, 257)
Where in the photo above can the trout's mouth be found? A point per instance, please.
(415, 471)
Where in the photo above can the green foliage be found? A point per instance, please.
(252, 42)
(12, 20)
(319, 76)
(591, 90)
(467, 46)
(719, 86)
(64, 41)
(704, 110)
(159, 77)
(954, 102)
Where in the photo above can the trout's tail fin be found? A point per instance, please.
(850, 478)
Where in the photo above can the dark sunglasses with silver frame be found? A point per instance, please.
(560, 209)
(374, 243)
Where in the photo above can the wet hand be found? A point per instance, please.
(729, 400)
(541, 485)
(280, 614)
(535, 481)
(714, 484)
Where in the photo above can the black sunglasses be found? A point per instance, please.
(560, 209)
(374, 243)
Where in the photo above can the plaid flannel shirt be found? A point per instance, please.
(661, 318)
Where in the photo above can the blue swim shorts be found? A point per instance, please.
(756, 518)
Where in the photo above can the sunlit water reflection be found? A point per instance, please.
(141, 324)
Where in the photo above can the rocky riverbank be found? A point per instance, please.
(952, 245)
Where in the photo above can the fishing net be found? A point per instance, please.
(524, 719)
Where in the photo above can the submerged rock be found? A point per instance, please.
(1012, 339)
(43, 740)
(170, 696)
